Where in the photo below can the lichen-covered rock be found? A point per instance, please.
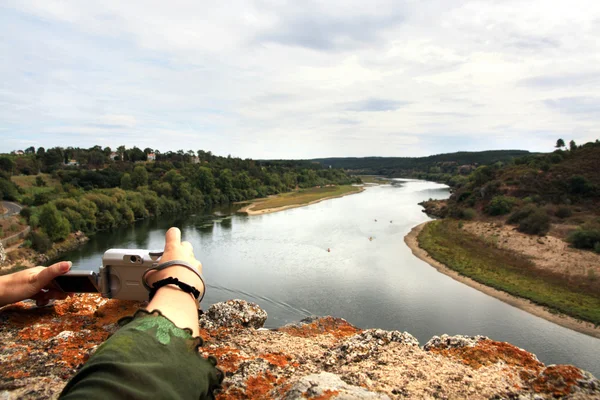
(452, 342)
(2, 254)
(328, 386)
(366, 344)
(314, 326)
(233, 314)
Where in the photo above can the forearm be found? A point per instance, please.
(4, 284)
(175, 304)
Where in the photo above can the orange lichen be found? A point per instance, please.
(337, 327)
(557, 380)
(488, 352)
(327, 394)
(277, 359)
(258, 387)
(229, 358)
(85, 315)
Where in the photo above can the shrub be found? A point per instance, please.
(580, 185)
(597, 247)
(14, 227)
(468, 213)
(40, 242)
(585, 238)
(25, 213)
(536, 223)
(563, 212)
(53, 223)
(500, 205)
(39, 181)
(521, 214)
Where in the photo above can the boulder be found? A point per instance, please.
(233, 314)
(330, 386)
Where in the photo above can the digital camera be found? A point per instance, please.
(119, 277)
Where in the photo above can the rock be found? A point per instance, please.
(2, 254)
(64, 335)
(366, 344)
(233, 313)
(48, 387)
(452, 342)
(330, 386)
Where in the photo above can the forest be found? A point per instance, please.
(75, 189)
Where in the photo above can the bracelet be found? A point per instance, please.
(173, 281)
(174, 263)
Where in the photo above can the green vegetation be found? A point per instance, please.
(73, 189)
(585, 238)
(509, 271)
(304, 196)
(500, 205)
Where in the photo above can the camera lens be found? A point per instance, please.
(133, 259)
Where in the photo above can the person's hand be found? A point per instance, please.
(33, 283)
(175, 249)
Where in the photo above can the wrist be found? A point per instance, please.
(181, 273)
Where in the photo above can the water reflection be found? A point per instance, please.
(281, 262)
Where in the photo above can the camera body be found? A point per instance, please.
(119, 277)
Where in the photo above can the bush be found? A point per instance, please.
(40, 242)
(584, 238)
(580, 185)
(521, 214)
(563, 212)
(536, 223)
(25, 213)
(8, 189)
(53, 223)
(468, 213)
(597, 247)
(500, 205)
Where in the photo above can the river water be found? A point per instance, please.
(281, 261)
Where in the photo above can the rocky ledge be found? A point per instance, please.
(317, 358)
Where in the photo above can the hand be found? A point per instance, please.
(178, 306)
(33, 283)
(175, 249)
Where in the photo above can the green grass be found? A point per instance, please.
(509, 271)
(373, 179)
(304, 196)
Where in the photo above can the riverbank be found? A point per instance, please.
(300, 198)
(317, 358)
(575, 324)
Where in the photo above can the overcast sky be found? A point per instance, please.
(300, 79)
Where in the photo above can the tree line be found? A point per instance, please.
(101, 193)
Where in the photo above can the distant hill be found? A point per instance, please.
(403, 166)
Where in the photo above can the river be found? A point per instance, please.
(281, 262)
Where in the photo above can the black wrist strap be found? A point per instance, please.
(174, 281)
(174, 263)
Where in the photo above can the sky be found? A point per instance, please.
(300, 79)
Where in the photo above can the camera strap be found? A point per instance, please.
(174, 281)
(174, 263)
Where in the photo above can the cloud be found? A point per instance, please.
(275, 79)
(576, 105)
(375, 104)
(569, 79)
(317, 28)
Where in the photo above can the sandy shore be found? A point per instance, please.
(523, 304)
(248, 209)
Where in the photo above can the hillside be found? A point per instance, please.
(402, 166)
(530, 229)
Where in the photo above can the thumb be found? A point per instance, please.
(48, 274)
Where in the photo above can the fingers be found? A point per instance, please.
(172, 237)
(46, 275)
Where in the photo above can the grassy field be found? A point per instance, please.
(304, 196)
(509, 271)
(374, 179)
(28, 184)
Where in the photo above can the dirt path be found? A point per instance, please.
(523, 304)
(248, 209)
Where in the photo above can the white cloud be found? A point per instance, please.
(283, 79)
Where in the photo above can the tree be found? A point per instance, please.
(206, 180)
(572, 145)
(53, 223)
(7, 165)
(126, 182)
(560, 144)
(30, 150)
(41, 151)
(139, 177)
